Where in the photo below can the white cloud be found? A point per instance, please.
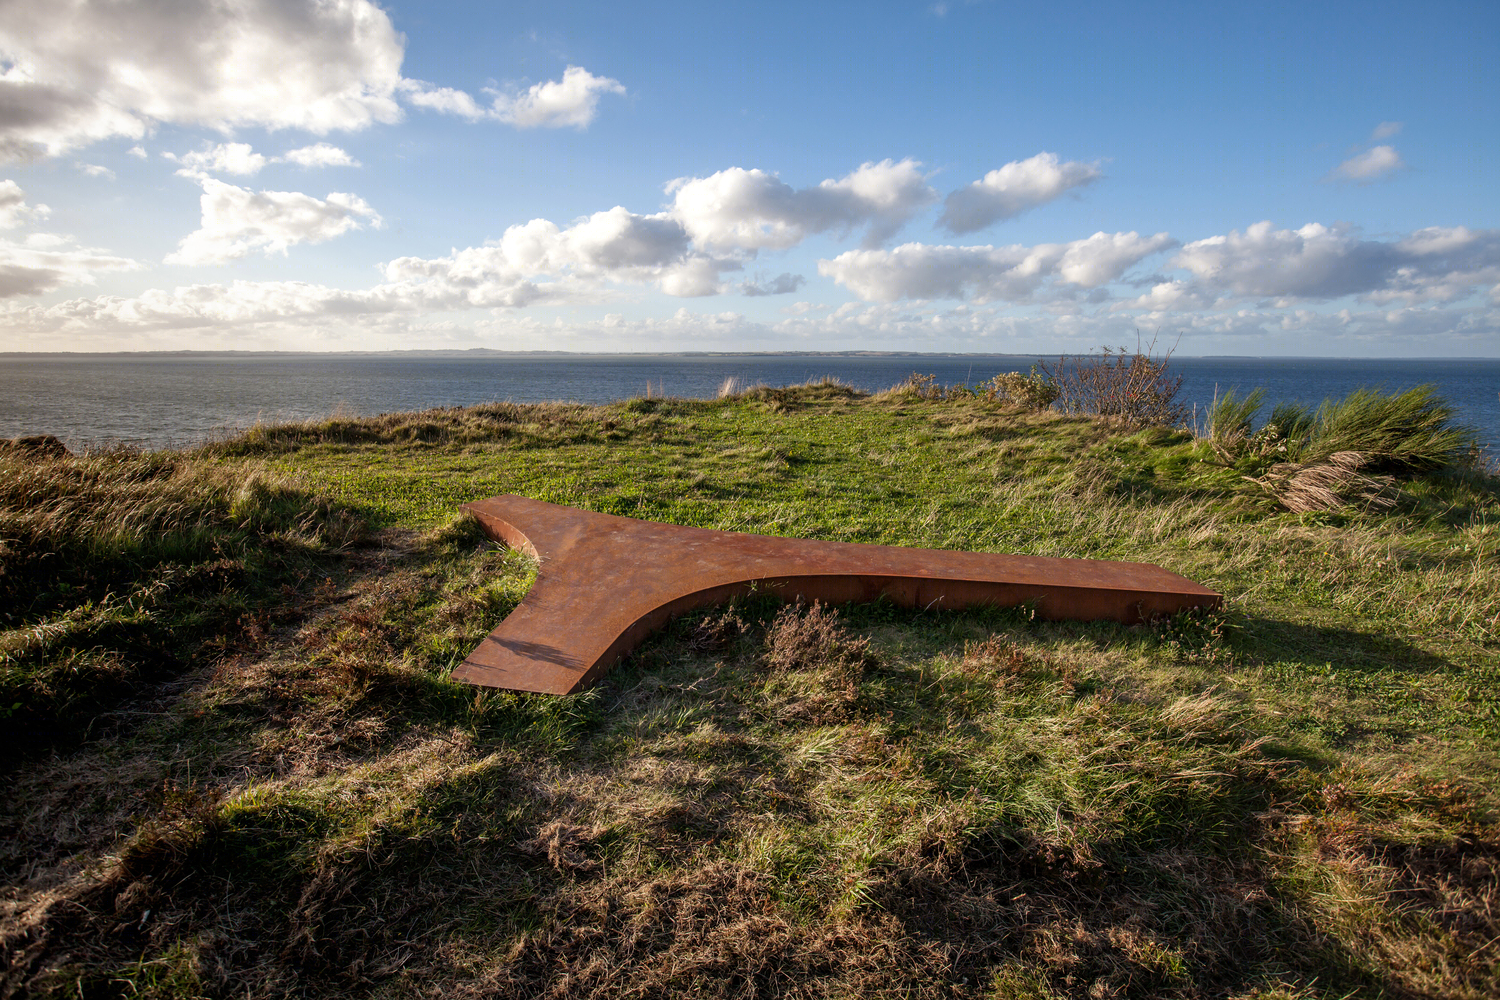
(1318, 262)
(75, 73)
(984, 273)
(1168, 296)
(1013, 189)
(572, 101)
(539, 260)
(319, 154)
(782, 284)
(31, 268)
(569, 102)
(444, 100)
(95, 170)
(1371, 165)
(694, 277)
(139, 152)
(13, 208)
(1386, 130)
(751, 209)
(238, 221)
(224, 158)
(299, 315)
(240, 158)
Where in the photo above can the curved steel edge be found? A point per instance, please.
(587, 646)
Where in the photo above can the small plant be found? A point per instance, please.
(1330, 484)
(827, 661)
(920, 386)
(1409, 431)
(1033, 391)
(1230, 420)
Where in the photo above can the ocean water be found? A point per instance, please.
(172, 400)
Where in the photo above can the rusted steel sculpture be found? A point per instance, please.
(606, 582)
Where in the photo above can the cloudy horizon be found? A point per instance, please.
(341, 175)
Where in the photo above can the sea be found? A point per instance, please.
(172, 400)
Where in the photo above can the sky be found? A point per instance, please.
(961, 176)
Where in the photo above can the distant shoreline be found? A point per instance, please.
(490, 352)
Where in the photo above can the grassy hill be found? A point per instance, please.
(234, 764)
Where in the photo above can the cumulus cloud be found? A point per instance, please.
(1372, 165)
(240, 158)
(1319, 262)
(540, 260)
(1014, 188)
(782, 284)
(985, 273)
(1386, 130)
(73, 73)
(13, 208)
(238, 221)
(569, 102)
(281, 314)
(96, 170)
(752, 209)
(224, 158)
(319, 154)
(40, 265)
(444, 100)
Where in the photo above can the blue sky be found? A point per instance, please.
(966, 176)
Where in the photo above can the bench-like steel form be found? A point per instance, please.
(606, 582)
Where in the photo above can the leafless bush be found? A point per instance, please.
(1131, 387)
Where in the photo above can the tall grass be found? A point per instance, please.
(118, 565)
(1349, 452)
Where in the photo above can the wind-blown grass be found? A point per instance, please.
(1349, 452)
(116, 566)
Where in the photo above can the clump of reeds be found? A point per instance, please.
(1329, 484)
(1348, 452)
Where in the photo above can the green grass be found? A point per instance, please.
(1293, 798)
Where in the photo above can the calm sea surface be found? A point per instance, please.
(167, 400)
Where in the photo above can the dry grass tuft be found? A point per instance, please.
(716, 633)
(1332, 484)
(993, 656)
(826, 660)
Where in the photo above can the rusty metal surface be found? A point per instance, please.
(606, 582)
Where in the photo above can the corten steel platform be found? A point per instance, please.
(606, 582)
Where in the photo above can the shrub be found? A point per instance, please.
(919, 386)
(1133, 388)
(1033, 391)
(822, 663)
